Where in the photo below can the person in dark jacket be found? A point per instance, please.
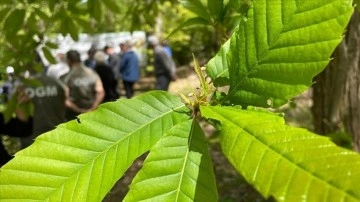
(48, 99)
(129, 68)
(16, 127)
(165, 70)
(107, 77)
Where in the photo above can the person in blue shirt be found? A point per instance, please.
(129, 68)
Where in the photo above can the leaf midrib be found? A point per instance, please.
(185, 161)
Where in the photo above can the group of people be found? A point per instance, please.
(73, 86)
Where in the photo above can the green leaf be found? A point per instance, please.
(68, 24)
(197, 7)
(52, 45)
(3, 13)
(191, 22)
(81, 160)
(6, 2)
(179, 166)
(215, 7)
(32, 23)
(14, 21)
(275, 53)
(217, 67)
(42, 14)
(84, 23)
(357, 4)
(288, 163)
(52, 4)
(112, 5)
(48, 55)
(96, 10)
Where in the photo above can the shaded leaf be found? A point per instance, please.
(357, 4)
(32, 22)
(6, 2)
(96, 10)
(288, 163)
(42, 14)
(84, 23)
(81, 160)
(180, 167)
(197, 7)
(51, 45)
(215, 7)
(48, 55)
(191, 22)
(14, 21)
(52, 4)
(3, 13)
(112, 5)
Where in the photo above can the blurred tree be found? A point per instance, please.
(336, 91)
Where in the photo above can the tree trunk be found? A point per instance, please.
(336, 92)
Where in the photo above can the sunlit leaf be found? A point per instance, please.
(82, 159)
(291, 164)
(217, 67)
(180, 167)
(275, 53)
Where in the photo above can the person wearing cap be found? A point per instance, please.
(129, 68)
(163, 64)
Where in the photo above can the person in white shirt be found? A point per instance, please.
(59, 69)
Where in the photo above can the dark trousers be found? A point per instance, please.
(162, 82)
(129, 88)
(4, 155)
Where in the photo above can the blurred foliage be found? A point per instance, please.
(25, 25)
(221, 16)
